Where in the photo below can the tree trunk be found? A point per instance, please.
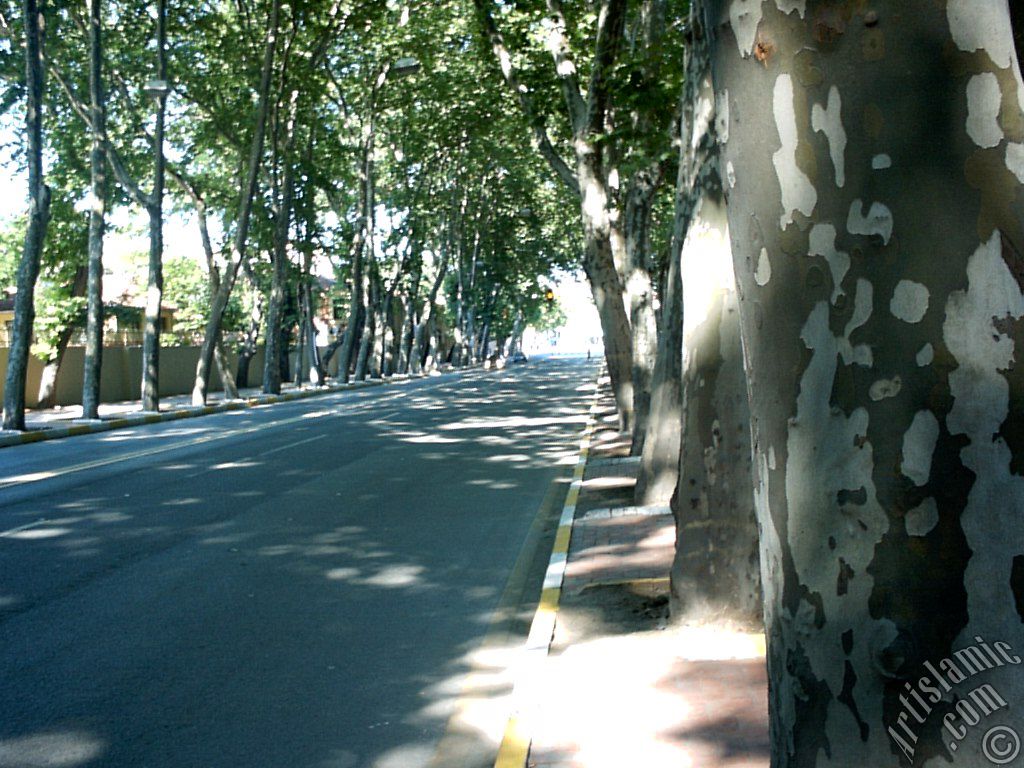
(38, 218)
(245, 200)
(659, 466)
(716, 574)
(47, 397)
(249, 346)
(640, 290)
(275, 315)
(369, 328)
(155, 284)
(875, 166)
(97, 219)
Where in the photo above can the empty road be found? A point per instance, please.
(296, 585)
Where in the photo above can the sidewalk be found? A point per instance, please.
(622, 685)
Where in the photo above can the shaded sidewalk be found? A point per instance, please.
(622, 685)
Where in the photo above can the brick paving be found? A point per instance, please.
(623, 687)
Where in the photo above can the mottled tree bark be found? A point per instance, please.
(38, 218)
(875, 167)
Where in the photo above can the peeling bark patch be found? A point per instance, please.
(922, 519)
(703, 118)
(763, 274)
(1017, 584)
(1013, 261)
(919, 446)
(881, 162)
(763, 50)
(883, 389)
(825, 458)
(744, 16)
(982, 26)
(981, 392)
(823, 243)
(846, 574)
(845, 698)
(722, 116)
(909, 301)
(878, 220)
(798, 193)
(788, 6)
(1015, 160)
(863, 306)
(926, 355)
(858, 497)
(828, 120)
(984, 100)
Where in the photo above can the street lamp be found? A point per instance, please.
(405, 66)
(156, 89)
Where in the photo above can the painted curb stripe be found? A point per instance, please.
(515, 743)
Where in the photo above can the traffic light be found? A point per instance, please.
(549, 296)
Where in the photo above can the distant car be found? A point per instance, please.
(519, 357)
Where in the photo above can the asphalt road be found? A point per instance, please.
(296, 585)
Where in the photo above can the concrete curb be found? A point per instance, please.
(515, 744)
(191, 412)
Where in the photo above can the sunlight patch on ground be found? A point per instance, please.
(514, 422)
(35, 534)
(635, 712)
(515, 458)
(396, 576)
(405, 756)
(431, 440)
(50, 750)
(496, 485)
(236, 465)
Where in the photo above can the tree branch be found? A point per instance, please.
(82, 110)
(610, 27)
(565, 67)
(540, 140)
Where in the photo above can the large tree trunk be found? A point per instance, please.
(716, 573)
(875, 159)
(155, 284)
(38, 218)
(659, 466)
(97, 219)
(245, 199)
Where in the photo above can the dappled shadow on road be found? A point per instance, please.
(320, 594)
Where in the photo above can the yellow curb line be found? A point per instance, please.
(515, 743)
